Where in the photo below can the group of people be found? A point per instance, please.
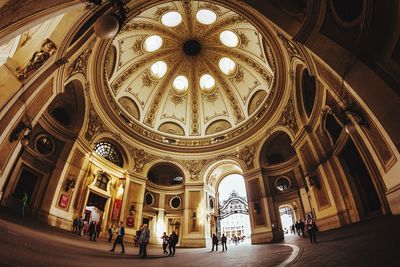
(309, 225)
(169, 241)
(141, 239)
(215, 242)
(78, 225)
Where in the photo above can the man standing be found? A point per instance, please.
(301, 227)
(214, 242)
(120, 237)
(80, 226)
(75, 225)
(24, 202)
(223, 242)
(173, 240)
(110, 233)
(144, 240)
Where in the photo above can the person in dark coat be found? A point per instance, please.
(92, 231)
(311, 229)
(144, 240)
(173, 240)
(214, 242)
(223, 242)
(110, 233)
(301, 227)
(120, 237)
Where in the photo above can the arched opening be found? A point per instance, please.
(288, 219)
(166, 174)
(360, 181)
(308, 91)
(233, 209)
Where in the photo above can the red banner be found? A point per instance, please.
(63, 201)
(117, 209)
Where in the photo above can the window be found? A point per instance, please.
(229, 38)
(158, 69)
(175, 202)
(102, 182)
(207, 83)
(152, 43)
(282, 183)
(171, 19)
(149, 199)
(180, 85)
(109, 152)
(227, 66)
(205, 16)
(44, 145)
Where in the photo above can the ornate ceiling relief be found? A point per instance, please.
(288, 117)
(189, 69)
(140, 158)
(290, 46)
(95, 125)
(79, 65)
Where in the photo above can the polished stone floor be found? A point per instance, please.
(376, 242)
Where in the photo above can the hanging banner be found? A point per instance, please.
(117, 209)
(63, 203)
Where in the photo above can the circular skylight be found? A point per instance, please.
(207, 83)
(180, 84)
(229, 38)
(171, 19)
(227, 66)
(152, 43)
(206, 16)
(158, 69)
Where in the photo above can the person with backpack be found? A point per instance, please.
(173, 240)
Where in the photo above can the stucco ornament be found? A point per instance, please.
(247, 155)
(194, 167)
(141, 158)
(95, 125)
(47, 49)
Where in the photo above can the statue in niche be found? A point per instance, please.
(47, 49)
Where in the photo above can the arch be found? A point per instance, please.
(276, 149)
(130, 106)
(255, 101)
(172, 128)
(164, 173)
(217, 126)
(211, 176)
(68, 108)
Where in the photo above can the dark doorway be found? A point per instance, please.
(96, 201)
(146, 221)
(360, 179)
(26, 184)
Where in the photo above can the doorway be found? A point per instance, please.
(288, 219)
(95, 208)
(360, 180)
(234, 217)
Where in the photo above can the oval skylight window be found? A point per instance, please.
(180, 84)
(152, 43)
(171, 19)
(158, 69)
(206, 16)
(207, 83)
(227, 66)
(229, 38)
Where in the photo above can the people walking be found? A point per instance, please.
(92, 231)
(165, 239)
(301, 227)
(75, 223)
(311, 229)
(223, 243)
(173, 240)
(144, 240)
(214, 242)
(120, 237)
(80, 226)
(110, 233)
(98, 229)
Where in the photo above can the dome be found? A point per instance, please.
(186, 70)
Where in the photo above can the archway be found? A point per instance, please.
(234, 221)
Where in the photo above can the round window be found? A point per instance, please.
(282, 183)
(175, 202)
(149, 199)
(44, 145)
